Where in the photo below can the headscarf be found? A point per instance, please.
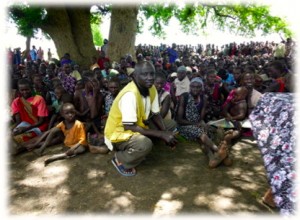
(198, 80)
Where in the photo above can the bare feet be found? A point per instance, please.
(268, 199)
(223, 150)
(228, 136)
(228, 160)
(219, 156)
(46, 162)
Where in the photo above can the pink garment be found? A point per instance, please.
(229, 98)
(167, 87)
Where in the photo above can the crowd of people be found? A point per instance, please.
(160, 92)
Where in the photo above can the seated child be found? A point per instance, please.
(59, 97)
(74, 135)
(164, 97)
(235, 111)
(88, 103)
(113, 90)
(29, 114)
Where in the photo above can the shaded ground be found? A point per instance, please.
(168, 182)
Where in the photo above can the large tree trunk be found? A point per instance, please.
(70, 30)
(123, 27)
(28, 41)
(27, 50)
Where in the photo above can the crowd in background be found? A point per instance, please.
(259, 67)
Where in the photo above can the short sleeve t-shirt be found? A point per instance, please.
(74, 135)
(128, 106)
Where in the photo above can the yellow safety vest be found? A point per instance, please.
(114, 129)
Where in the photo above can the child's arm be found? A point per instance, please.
(165, 106)
(52, 120)
(81, 137)
(203, 110)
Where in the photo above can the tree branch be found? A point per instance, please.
(222, 15)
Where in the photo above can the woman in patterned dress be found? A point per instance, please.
(190, 122)
(273, 127)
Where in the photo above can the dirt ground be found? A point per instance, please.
(168, 183)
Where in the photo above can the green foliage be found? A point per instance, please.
(28, 19)
(97, 36)
(161, 15)
(194, 18)
(96, 18)
(102, 9)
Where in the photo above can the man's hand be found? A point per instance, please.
(169, 138)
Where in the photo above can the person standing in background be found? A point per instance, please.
(40, 54)
(33, 53)
(49, 54)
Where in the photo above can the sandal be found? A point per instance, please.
(122, 170)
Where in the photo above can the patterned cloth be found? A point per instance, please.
(68, 82)
(273, 127)
(108, 101)
(192, 114)
(214, 102)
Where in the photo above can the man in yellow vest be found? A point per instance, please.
(134, 118)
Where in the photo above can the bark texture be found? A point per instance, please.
(70, 30)
(123, 28)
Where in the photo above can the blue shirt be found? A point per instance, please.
(173, 55)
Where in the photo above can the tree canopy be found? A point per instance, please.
(241, 19)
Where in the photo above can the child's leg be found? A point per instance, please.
(51, 137)
(72, 152)
(56, 140)
(36, 141)
(56, 157)
(219, 156)
(208, 144)
(216, 155)
(16, 148)
(231, 135)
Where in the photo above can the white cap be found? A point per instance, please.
(113, 72)
(189, 69)
(174, 74)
